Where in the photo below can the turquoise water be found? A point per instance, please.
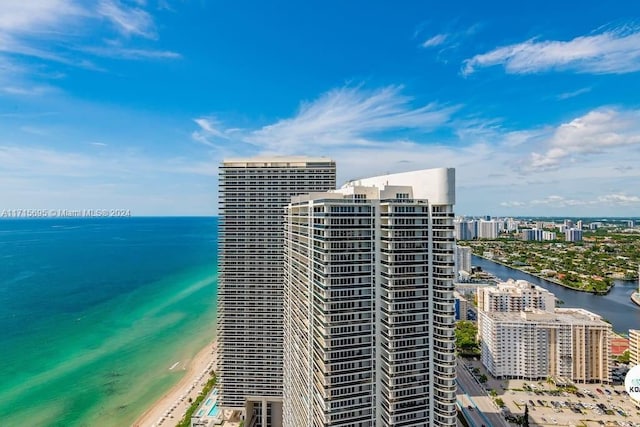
(214, 411)
(93, 312)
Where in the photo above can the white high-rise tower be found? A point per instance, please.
(369, 334)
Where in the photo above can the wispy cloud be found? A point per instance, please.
(35, 35)
(615, 51)
(350, 117)
(567, 95)
(559, 202)
(119, 52)
(436, 40)
(128, 20)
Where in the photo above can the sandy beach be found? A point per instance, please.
(169, 409)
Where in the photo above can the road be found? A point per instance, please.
(472, 393)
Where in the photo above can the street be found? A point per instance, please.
(470, 393)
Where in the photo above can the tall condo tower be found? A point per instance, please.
(369, 308)
(252, 196)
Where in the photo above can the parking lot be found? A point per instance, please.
(587, 405)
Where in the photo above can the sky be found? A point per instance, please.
(133, 104)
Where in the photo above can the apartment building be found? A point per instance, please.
(369, 335)
(252, 197)
(634, 347)
(536, 344)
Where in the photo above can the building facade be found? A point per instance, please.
(569, 344)
(463, 259)
(572, 235)
(514, 296)
(253, 194)
(634, 347)
(369, 317)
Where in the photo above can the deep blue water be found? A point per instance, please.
(616, 306)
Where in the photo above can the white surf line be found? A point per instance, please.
(174, 365)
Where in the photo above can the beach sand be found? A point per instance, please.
(171, 407)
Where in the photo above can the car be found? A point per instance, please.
(599, 391)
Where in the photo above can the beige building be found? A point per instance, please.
(634, 346)
(533, 344)
(512, 296)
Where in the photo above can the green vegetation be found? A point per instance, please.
(186, 420)
(483, 378)
(466, 344)
(500, 402)
(624, 357)
(589, 266)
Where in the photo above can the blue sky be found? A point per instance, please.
(133, 104)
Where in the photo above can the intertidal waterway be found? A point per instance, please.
(616, 307)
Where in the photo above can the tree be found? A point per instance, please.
(525, 417)
(483, 378)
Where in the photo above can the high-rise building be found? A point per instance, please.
(488, 229)
(369, 335)
(634, 347)
(465, 229)
(573, 235)
(463, 259)
(514, 295)
(570, 344)
(253, 194)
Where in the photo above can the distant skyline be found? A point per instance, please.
(133, 104)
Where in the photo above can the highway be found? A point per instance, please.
(470, 393)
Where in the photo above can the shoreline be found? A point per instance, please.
(174, 403)
(635, 298)
(550, 280)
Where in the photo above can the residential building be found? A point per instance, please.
(573, 235)
(634, 347)
(465, 229)
(253, 194)
(514, 296)
(463, 259)
(488, 229)
(460, 306)
(570, 344)
(369, 336)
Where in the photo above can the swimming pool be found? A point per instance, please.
(208, 402)
(215, 410)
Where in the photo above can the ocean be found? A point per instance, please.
(94, 312)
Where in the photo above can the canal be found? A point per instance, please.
(616, 306)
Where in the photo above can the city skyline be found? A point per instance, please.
(133, 104)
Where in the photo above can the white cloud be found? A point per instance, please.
(119, 52)
(63, 31)
(596, 132)
(350, 117)
(128, 20)
(512, 204)
(619, 199)
(573, 94)
(17, 16)
(436, 40)
(615, 51)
